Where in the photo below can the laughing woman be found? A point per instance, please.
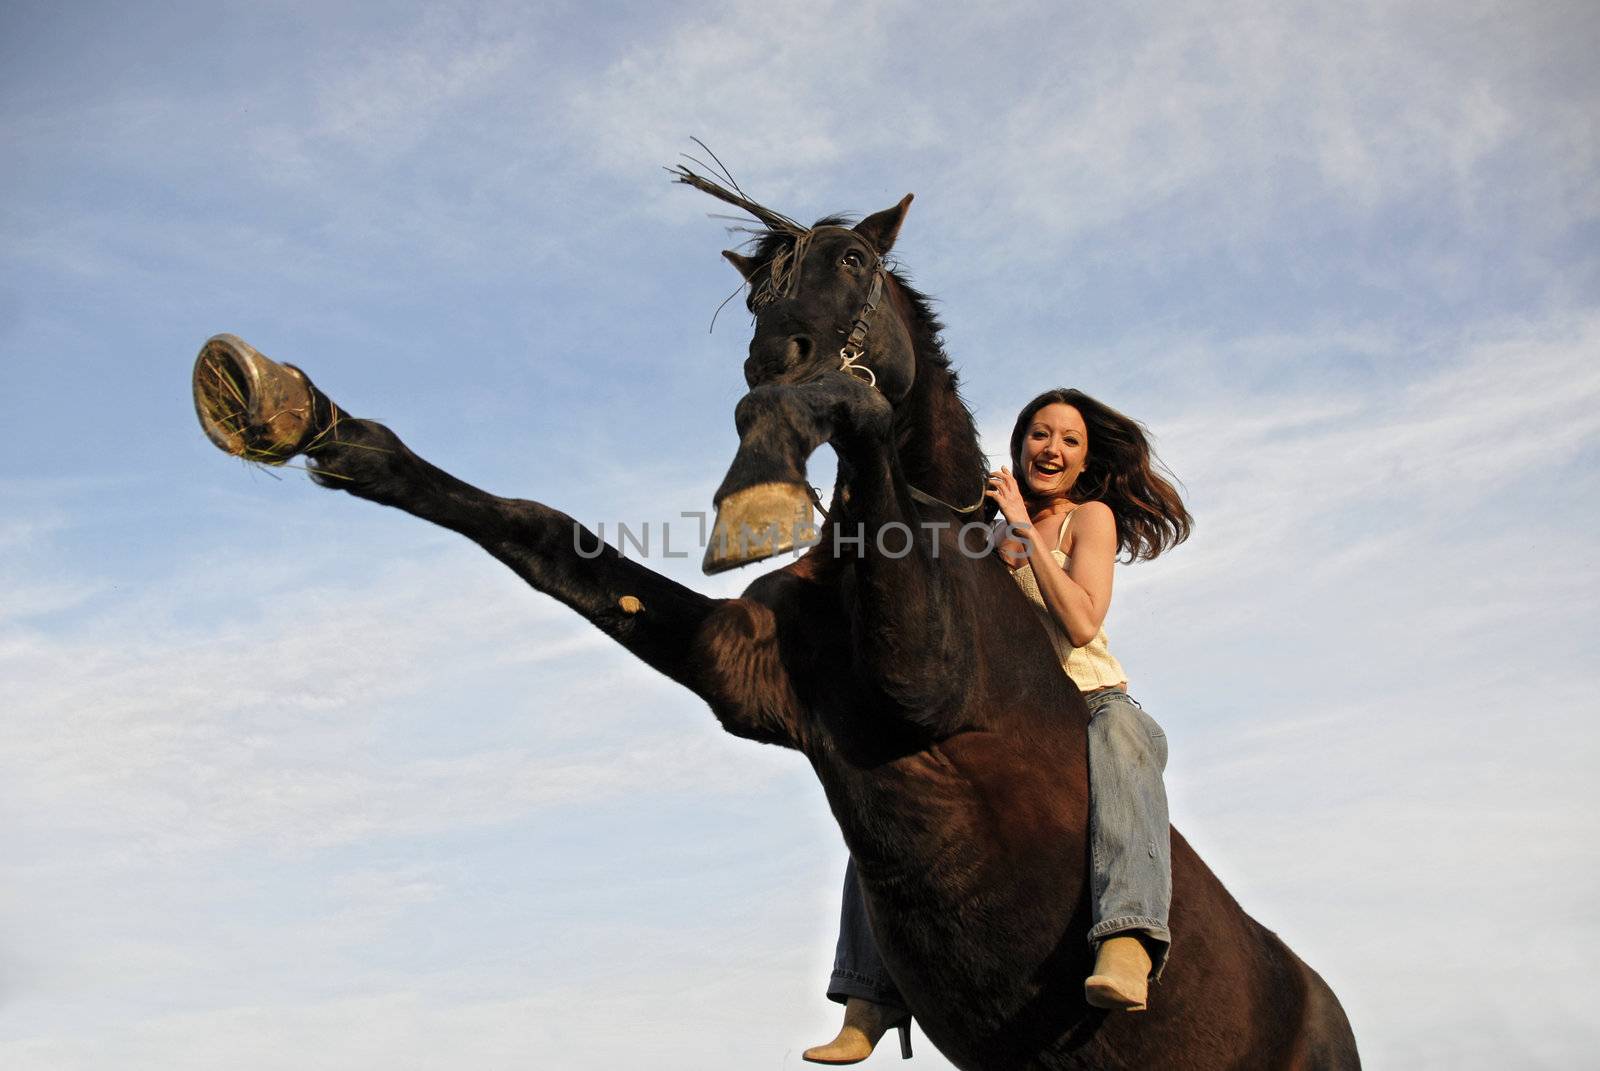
(1086, 489)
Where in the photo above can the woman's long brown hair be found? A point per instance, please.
(1122, 471)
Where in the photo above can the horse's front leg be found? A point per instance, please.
(911, 633)
(255, 407)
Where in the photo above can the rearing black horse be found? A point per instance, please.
(908, 669)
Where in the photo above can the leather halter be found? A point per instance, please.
(854, 348)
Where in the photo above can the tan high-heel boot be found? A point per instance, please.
(864, 1023)
(1121, 978)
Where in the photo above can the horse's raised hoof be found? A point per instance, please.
(757, 523)
(249, 405)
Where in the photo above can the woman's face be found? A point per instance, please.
(1055, 448)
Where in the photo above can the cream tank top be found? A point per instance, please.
(1091, 666)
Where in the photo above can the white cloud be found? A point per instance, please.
(1251, 106)
(257, 727)
(395, 95)
(795, 105)
(1416, 450)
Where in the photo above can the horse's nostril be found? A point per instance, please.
(799, 349)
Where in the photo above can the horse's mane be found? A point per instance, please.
(934, 413)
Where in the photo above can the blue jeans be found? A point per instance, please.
(857, 969)
(1130, 837)
(1130, 852)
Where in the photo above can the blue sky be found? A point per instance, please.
(290, 780)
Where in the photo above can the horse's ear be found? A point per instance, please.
(747, 265)
(881, 228)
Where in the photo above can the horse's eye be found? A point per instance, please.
(853, 259)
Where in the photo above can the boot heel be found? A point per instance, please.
(905, 1038)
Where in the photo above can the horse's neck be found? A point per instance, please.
(938, 443)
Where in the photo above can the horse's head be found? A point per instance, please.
(843, 352)
(824, 301)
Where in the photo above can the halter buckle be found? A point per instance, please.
(848, 356)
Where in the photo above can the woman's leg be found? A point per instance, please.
(872, 1003)
(1129, 832)
(857, 969)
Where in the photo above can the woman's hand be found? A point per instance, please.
(1004, 490)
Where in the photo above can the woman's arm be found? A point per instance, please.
(1079, 596)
